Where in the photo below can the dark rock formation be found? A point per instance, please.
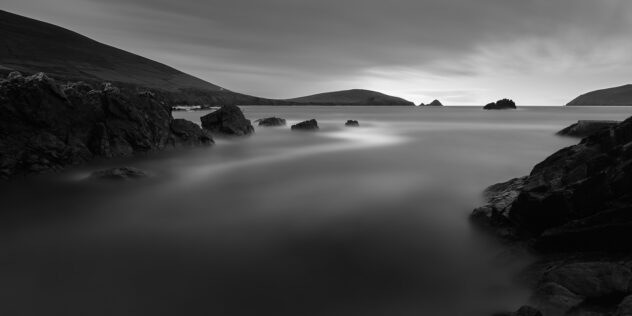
(190, 133)
(124, 173)
(435, 103)
(504, 104)
(352, 123)
(44, 126)
(228, 120)
(611, 97)
(586, 128)
(271, 121)
(575, 210)
(310, 125)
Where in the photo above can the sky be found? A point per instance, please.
(462, 52)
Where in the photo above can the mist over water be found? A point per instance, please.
(343, 221)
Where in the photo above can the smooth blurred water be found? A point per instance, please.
(343, 221)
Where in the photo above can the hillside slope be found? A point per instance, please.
(351, 97)
(613, 96)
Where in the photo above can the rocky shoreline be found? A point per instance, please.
(46, 126)
(574, 211)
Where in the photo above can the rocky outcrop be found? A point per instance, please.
(124, 173)
(271, 122)
(45, 126)
(575, 211)
(435, 103)
(189, 133)
(586, 128)
(504, 104)
(310, 125)
(227, 120)
(352, 123)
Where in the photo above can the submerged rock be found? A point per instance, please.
(271, 121)
(124, 173)
(310, 125)
(586, 128)
(504, 104)
(352, 123)
(228, 120)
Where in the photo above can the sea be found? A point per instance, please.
(372, 220)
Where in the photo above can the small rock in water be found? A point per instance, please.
(504, 104)
(271, 121)
(124, 173)
(352, 123)
(310, 125)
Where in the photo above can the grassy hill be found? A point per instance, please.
(612, 96)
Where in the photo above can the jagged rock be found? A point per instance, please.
(586, 128)
(554, 299)
(352, 123)
(124, 173)
(46, 127)
(592, 280)
(310, 125)
(189, 134)
(228, 120)
(271, 121)
(504, 104)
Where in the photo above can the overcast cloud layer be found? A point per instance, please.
(538, 52)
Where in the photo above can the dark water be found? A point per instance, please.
(366, 221)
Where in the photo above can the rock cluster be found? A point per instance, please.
(504, 104)
(310, 125)
(45, 126)
(586, 128)
(577, 205)
(228, 120)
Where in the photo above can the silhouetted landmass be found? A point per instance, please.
(45, 126)
(575, 210)
(586, 128)
(504, 104)
(350, 97)
(435, 103)
(618, 96)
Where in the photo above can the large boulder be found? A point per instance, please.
(271, 121)
(504, 104)
(586, 128)
(45, 126)
(309, 125)
(352, 123)
(227, 120)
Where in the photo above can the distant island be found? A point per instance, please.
(31, 46)
(350, 97)
(618, 96)
(433, 103)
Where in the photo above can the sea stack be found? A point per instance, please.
(504, 104)
(435, 103)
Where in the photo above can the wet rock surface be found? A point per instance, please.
(45, 126)
(123, 173)
(271, 122)
(586, 128)
(575, 211)
(352, 123)
(310, 125)
(227, 120)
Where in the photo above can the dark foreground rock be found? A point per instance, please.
(352, 123)
(504, 104)
(46, 127)
(586, 128)
(228, 120)
(124, 173)
(575, 211)
(310, 125)
(271, 122)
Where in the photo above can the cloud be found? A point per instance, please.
(281, 48)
